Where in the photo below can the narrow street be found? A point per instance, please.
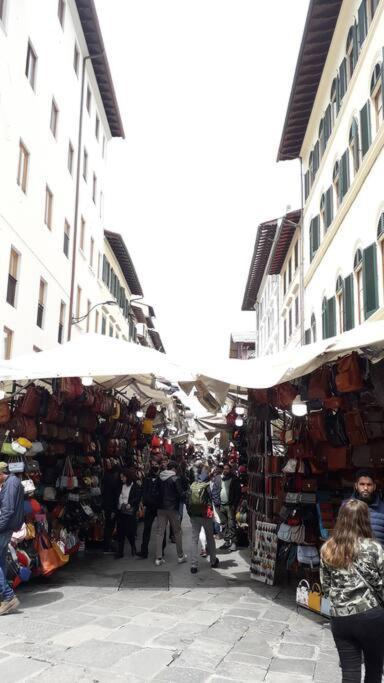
(215, 626)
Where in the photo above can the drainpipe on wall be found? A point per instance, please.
(77, 192)
(301, 285)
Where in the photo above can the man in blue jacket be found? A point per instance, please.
(365, 490)
(11, 519)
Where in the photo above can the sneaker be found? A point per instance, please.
(232, 547)
(9, 605)
(182, 559)
(215, 564)
(159, 562)
(193, 570)
(225, 546)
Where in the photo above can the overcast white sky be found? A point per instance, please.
(203, 87)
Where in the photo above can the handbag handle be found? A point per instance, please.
(305, 583)
(316, 586)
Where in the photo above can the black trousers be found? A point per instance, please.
(110, 523)
(126, 528)
(149, 517)
(358, 635)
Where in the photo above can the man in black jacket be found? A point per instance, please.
(151, 501)
(230, 494)
(172, 495)
(11, 519)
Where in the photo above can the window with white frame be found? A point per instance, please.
(13, 272)
(88, 100)
(60, 335)
(76, 59)
(82, 233)
(97, 127)
(8, 343)
(67, 235)
(78, 301)
(85, 164)
(354, 145)
(71, 153)
(336, 182)
(91, 251)
(94, 188)
(88, 319)
(41, 303)
(313, 329)
(377, 95)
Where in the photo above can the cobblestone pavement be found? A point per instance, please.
(215, 626)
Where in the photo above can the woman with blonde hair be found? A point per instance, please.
(352, 577)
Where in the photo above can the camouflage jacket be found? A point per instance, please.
(347, 592)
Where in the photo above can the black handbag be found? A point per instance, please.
(335, 429)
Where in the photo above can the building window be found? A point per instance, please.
(54, 118)
(321, 138)
(76, 59)
(82, 233)
(101, 211)
(48, 207)
(97, 127)
(13, 271)
(362, 22)
(296, 252)
(103, 324)
(371, 295)
(99, 265)
(348, 304)
(30, 66)
(314, 237)
(67, 233)
(334, 104)
(373, 7)
(8, 342)
(60, 336)
(22, 169)
(336, 182)
(91, 251)
(41, 303)
(342, 82)
(340, 302)
(328, 313)
(326, 208)
(365, 128)
(290, 271)
(285, 282)
(94, 188)
(352, 50)
(290, 322)
(313, 328)
(61, 12)
(377, 96)
(88, 100)
(110, 330)
(78, 302)
(97, 315)
(85, 164)
(354, 145)
(327, 124)
(357, 267)
(71, 152)
(88, 315)
(297, 311)
(344, 175)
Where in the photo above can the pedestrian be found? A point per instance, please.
(199, 508)
(151, 495)
(365, 490)
(230, 494)
(11, 519)
(110, 495)
(127, 507)
(171, 496)
(352, 577)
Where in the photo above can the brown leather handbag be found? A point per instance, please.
(24, 426)
(354, 426)
(337, 458)
(349, 377)
(319, 386)
(316, 427)
(284, 395)
(5, 413)
(29, 403)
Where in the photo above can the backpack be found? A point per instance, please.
(198, 499)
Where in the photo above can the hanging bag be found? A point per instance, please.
(16, 464)
(349, 377)
(308, 554)
(319, 386)
(49, 559)
(314, 598)
(302, 593)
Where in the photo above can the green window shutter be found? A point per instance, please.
(327, 124)
(374, 4)
(344, 174)
(365, 125)
(314, 236)
(306, 185)
(307, 337)
(349, 306)
(329, 207)
(324, 319)
(316, 158)
(331, 305)
(355, 47)
(362, 22)
(371, 295)
(342, 80)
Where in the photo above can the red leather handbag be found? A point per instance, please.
(30, 403)
(337, 458)
(349, 377)
(24, 426)
(319, 387)
(71, 388)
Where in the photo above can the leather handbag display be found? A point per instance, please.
(335, 428)
(361, 456)
(29, 403)
(5, 412)
(319, 386)
(285, 394)
(24, 426)
(354, 427)
(337, 457)
(314, 598)
(302, 593)
(316, 427)
(349, 376)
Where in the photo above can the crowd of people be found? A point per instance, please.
(209, 491)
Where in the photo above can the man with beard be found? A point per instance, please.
(365, 490)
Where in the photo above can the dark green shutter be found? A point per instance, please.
(316, 158)
(324, 318)
(314, 236)
(328, 207)
(344, 175)
(374, 4)
(355, 47)
(331, 317)
(362, 22)
(307, 337)
(342, 80)
(327, 124)
(306, 185)
(349, 307)
(338, 98)
(365, 124)
(371, 296)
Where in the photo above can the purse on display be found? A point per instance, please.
(308, 554)
(15, 464)
(319, 386)
(349, 377)
(285, 394)
(316, 427)
(314, 598)
(302, 593)
(29, 403)
(354, 427)
(337, 458)
(49, 558)
(325, 606)
(67, 480)
(5, 412)
(335, 428)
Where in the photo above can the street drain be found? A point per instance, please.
(144, 581)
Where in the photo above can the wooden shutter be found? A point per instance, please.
(355, 46)
(327, 124)
(365, 125)
(324, 318)
(307, 337)
(362, 22)
(314, 236)
(329, 207)
(316, 158)
(371, 296)
(306, 185)
(344, 175)
(331, 305)
(342, 80)
(349, 307)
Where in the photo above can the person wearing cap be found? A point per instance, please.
(11, 519)
(365, 490)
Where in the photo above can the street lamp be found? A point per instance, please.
(74, 321)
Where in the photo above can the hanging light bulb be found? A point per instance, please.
(299, 407)
(139, 414)
(239, 410)
(87, 381)
(239, 422)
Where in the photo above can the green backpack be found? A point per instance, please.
(198, 499)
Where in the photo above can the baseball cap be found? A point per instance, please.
(3, 467)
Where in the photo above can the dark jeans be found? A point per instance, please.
(126, 528)
(109, 527)
(6, 592)
(149, 517)
(357, 635)
(228, 523)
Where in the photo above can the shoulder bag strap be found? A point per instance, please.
(379, 597)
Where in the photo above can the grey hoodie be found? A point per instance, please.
(171, 490)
